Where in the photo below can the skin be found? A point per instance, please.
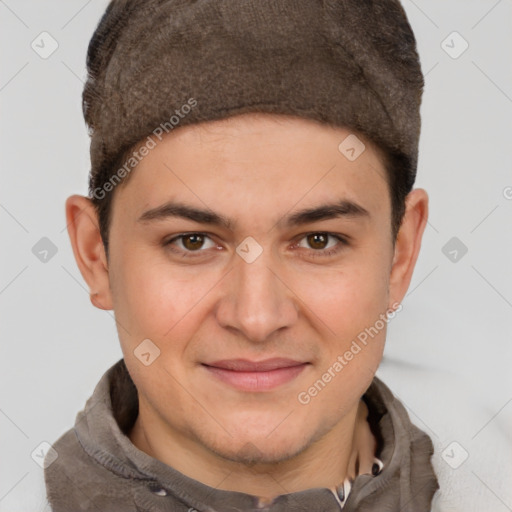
(293, 301)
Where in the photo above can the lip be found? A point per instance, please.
(256, 376)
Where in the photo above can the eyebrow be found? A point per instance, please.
(344, 208)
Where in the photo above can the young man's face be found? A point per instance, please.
(270, 284)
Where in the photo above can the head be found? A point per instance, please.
(252, 236)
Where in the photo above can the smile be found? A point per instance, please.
(252, 376)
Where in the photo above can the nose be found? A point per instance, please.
(257, 301)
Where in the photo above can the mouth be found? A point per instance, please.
(256, 376)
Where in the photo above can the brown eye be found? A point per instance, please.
(187, 243)
(317, 240)
(320, 244)
(193, 242)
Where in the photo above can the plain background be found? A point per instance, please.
(449, 352)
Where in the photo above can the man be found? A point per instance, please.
(252, 224)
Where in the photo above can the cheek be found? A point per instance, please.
(349, 305)
(348, 299)
(144, 294)
(158, 300)
(353, 306)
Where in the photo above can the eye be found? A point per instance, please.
(315, 244)
(190, 242)
(321, 245)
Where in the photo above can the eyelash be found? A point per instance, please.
(315, 253)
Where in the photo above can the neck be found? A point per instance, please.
(345, 451)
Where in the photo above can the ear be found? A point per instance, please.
(84, 233)
(408, 243)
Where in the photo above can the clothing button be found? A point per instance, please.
(157, 490)
(377, 466)
(151, 496)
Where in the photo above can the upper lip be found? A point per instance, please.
(245, 365)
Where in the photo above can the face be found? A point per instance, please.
(252, 253)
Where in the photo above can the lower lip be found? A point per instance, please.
(257, 381)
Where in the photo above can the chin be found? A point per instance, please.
(269, 444)
(252, 453)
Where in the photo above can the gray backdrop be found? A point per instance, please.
(449, 352)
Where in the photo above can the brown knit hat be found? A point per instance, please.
(156, 65)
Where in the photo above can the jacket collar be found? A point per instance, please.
(406, 483)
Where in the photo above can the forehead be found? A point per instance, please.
(263, 161)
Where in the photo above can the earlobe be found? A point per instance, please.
(408, 244)
(88, 249)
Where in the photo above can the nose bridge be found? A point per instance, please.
(259, 303)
